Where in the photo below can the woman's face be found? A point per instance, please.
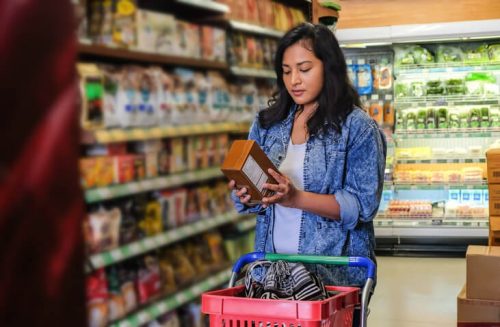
(302, 73)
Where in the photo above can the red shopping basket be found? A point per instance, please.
(229, 307)
(226, 308)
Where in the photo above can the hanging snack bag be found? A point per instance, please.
(128, 97)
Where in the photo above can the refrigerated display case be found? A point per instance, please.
(446, 103)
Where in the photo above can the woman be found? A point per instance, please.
(331, 157)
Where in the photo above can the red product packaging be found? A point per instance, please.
(148, 279)
(129, 168)
(97, 298)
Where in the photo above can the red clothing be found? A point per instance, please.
(41, 204)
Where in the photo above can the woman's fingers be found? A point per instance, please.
(278, 177)
(231, 184)
(245, 199)
(241, 192)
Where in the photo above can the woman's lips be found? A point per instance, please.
(298, 93)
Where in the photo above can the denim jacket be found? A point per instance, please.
(349, 165)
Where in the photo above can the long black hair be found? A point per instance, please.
(337, 97)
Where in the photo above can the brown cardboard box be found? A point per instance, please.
(476, 311)
(247, 164)
(483, 271)
(494, 239)
(493, 164)
(494, 198)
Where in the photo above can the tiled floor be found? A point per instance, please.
(416, 292)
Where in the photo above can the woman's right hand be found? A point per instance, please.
(240, 193)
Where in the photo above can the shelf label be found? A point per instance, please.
(143, 317)
(134, 248)
(116, 254)
(149, 243)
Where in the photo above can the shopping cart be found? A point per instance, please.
(228, 308)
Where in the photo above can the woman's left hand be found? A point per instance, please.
(285, 191)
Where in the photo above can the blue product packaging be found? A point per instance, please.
(364, 79)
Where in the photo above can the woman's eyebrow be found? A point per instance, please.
(298, 64)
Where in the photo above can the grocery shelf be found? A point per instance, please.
(255, 29)
(174, 301)
(436, 100)
(447, 67)
(147, 244)
(446, 161)
(140, 134)
(246, 224)
(98, 51)
(115, 191)
(447, 133)
(206, 4)
(252, 72)
(436, 186)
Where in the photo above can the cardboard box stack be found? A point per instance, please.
(478, 303)
(493, 162)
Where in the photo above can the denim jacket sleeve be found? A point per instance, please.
(364, 177)
(254, 134)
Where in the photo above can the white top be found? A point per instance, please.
(288, 220)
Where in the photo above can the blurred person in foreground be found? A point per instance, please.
(330, 154)
(41, 204)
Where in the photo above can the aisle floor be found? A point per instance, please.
(416, 292)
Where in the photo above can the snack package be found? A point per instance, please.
(202, 88)
(187, 39)
(215, 245)
(128, 227)
(385, 77)
(155, 32)
(148, 279)
(116, 303)
(97, 298)
(127, 277)
(128, 96)
(96, 172)
(178, 155)
(102, 230)
(129, 168)
(388, 113)
(442, 118)
(192, 206)
(110, 86)
(199, 256)
(147, 99)
(124, 23)
(92, 96)
(151, 223)
(167, 274)
(184, 271)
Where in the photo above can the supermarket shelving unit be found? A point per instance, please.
(210, 11)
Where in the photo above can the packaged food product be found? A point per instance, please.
(494, 52)
(124, 23)
(421, 118)
(442, 118)
(129, 168)
(351, 71)
(402, 90)
(151, 223)
(116, 303)
(92, 94)
(377, 112)
(418, 89)
(128, 227)
(385, 77)
(485, 117)
(96, 172)
(475, 117)
(148, 279)
(431, 120)
(155, 31)
(388, 113)
(167, 274)
(127, 275)
(364, 79)
(184, 271)
(447, 53)
(412, 54)
(110, 84)
(102, 230)
(475, 53)
(434, 87)
(97, 298)
(455, 86)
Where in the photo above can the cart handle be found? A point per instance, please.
(315, 259)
